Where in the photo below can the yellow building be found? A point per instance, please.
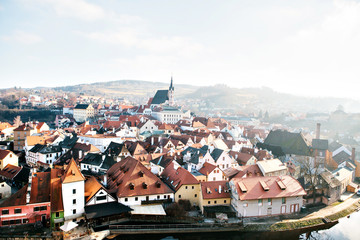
(185, 185)
(20, 134)
(83, 112)
(214, 193)
(8, 157)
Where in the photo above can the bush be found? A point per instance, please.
(185, 204)
(175, 210)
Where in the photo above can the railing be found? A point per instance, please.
(171, 226)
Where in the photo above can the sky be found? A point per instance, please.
(308, 48)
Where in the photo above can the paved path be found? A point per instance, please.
(333, 209)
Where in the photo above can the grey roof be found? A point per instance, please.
(334, 145)
(160, 97)
(330, 179)
(114, 149)
(96, 159)
(162, 161)
(320, 144)
(290, 143)
(69, 142)
(44, 149)
(215, 154)
(105, 209)
(194, 150)
(341, 157)
(81, 106)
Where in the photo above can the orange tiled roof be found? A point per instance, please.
(92, 186)
(177, 178)
(72, 173)
(207, 168)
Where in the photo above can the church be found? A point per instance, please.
(165, 97)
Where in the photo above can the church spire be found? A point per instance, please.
(171, 88)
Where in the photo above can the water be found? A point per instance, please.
(346, 229)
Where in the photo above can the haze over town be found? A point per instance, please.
(307, 49)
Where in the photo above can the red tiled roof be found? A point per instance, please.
(249, 171)
(40, 187)
(255, 187)
(177, 178)
(131, 178)
(207, 168)
(72, 173)
(4, 153)
(9, 171)
(214, 189)
(56, 193)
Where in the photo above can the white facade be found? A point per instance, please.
(266, 207)
(81, 115)
(216, 175)
(101, 142)
(5, 190)
(136, 200)
(73, 199)
(100, 197)
(168, 116)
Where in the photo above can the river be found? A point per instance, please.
(348, 228)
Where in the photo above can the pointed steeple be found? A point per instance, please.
(171, 88)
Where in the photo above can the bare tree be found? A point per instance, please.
(311, 168)
(17, 121)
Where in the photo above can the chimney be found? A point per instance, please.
(105, 180)
(103, 157)
(152, 140)
(219, 188)
(80, 154)
(318, 131)
(353, 155)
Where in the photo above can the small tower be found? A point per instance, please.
(73, 185)
(171, 93)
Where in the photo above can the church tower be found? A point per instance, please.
(171, 93)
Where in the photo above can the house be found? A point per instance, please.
(8, 157)
(5, 189)
(134, 184)
(266, 196)
(41, 127)
(147, 126)
(73, 189)
(345, 176)
(101, 141)
(157, 165)
(56, 200)
(15, 176)
(117, 150)
(212, 172)
(20, 134)
(331, 188)
(272, 167)
(222, 159)
(97, 162)
(213, 194)
(30, 204)
(243, 158)
(43, 154)
(185, 185)
(83, 112)
(168, 114)
(95, 193)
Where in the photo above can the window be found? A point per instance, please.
(25, 220)
(74, 201)
(74, 211)
(283, 200)
(224, 201)
(36, 209)
(99, 198)
(192, 187)
(185, 187)
(158, 196)
(4, 223)
(209, 202)
(260, 202)
(195, 195)
(57, 214)
(17, 210)
(74, 191)
(43, 208)
(179, 196)
(269, 201)
(126, 199)
(136, 198)
(5, 211)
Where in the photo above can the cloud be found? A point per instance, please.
(130, 37)
(22, 37)
(79, 9)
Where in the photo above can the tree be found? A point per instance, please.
(311, 167)
(17, 121)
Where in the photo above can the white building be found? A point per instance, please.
(169, 114)
(83, 112)
(73, 189)
(266, 196)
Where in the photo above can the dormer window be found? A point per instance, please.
(144, 185)
(141, 173)
(132, 186)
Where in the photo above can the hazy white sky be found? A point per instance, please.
(302, 47)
